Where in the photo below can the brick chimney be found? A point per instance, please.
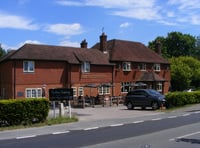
(84, 44)
(103, 43)
(158, 47)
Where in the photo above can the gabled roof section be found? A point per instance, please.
(58, 53)
(150, 77)
(121, 50)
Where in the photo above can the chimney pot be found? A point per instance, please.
(103, 42)
(158, 47)
(84, 44)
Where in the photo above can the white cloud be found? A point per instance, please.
(16, 22)
(124, 25)
(65, 29)
(68, 3)
(185, 4)
(69, 43)
(171, 12)
(6, 47)
(140, 14)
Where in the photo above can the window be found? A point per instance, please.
(74, 91)
(104, 90)
(33, 92)
(126, 66)
(85, 67)
(156, 67)
(80, 91)
(159, 87)
(28, 66)
(142, 67)
(126, 86)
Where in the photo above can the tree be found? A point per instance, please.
(181, 74)
(2, 51)
(185, 72)
(176, 44)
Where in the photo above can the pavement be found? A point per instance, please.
(92, 118)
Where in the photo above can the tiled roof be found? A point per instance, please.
(150, 77)
(58, 53)
(121, 50)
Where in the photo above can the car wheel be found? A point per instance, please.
(129, 105)
(154, 105)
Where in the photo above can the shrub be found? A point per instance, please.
(23, 111)
(183, 98)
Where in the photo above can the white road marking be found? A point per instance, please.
(24, 137)
(187, 135)
(197, 112)
(114, 125)
(170, 117)
(90, 128)
(185, 115)
(140, 121)
(155, 119)
(63, 132)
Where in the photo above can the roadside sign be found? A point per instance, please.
(60, 94)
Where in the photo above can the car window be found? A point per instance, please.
(140, 92)
(154, 92)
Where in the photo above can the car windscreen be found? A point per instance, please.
(154, 92)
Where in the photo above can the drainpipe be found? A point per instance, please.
(113, 79)
(69, 76)
(14, 80)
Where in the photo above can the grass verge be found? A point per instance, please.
(48, 122)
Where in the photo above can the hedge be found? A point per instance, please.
(23, 111)
(183, 98)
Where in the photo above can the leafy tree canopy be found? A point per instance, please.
(185, 72)
(2, 51)
(176, 44)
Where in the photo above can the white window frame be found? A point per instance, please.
(74, 91)
(142, 66)
(126, 66)
(28, 66)
(126, 87)
(80, 91)
(104, 90)
(85, 67)
(33, 92)
(156, 67)
(159, 86)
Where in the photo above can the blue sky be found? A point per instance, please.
(68, 22)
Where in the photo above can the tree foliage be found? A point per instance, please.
(2, 51)
(176, 44)
(185, 72)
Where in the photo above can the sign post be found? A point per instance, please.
(60, 94)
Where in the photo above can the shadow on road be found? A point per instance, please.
(192, 141)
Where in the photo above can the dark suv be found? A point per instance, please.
(144, 98)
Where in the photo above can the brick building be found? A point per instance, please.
(108, 68)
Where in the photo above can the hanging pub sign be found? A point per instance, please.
(59, 94)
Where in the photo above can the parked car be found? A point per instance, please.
(144, 98)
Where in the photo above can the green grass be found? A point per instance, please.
(60, 120)
(174, 108)
(48, 122)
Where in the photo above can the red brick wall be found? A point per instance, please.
(51, 74)
(6, 77)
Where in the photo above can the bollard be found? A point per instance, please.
(61, 110)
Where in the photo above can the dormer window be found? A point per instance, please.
(156, 67)
(126, 66)
(142, 67)
(85, 67)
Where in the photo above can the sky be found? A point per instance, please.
(68, 22)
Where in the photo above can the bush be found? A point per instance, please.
(183, 98)
(23, 111)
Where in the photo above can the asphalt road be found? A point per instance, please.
(100, 137)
